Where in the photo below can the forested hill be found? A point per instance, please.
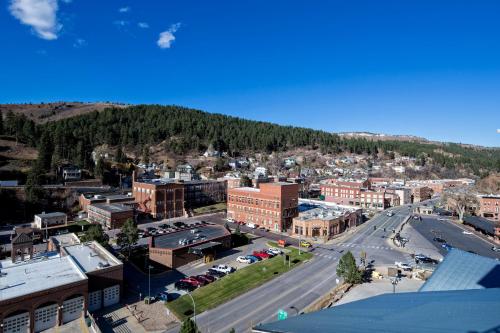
(183, 130)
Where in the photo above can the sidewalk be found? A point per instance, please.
(417, 243)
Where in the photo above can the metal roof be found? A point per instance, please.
(171, 240)
(482, 224)
(463, 270)
(437, 311)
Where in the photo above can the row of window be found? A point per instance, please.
(252, 210)
(256, 202)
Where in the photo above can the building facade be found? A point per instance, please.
(489, 207)
(159, 197)
(356, 193)
(204, 192)
(110, 216)
(325, 223)
(44, 220)
(272, 205)
(421, 193)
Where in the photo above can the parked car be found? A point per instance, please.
(179, 224)
(466, 232)
(495, 248)
(164, 226)
(416, 217)
(263, 229)
(261, 254)
(305, 244)
(202, 279)
(439, 240)
(192, 281)
(402, 265)
(252, 225)
(229, 219)
(446, 246)
(244, 260)
(163, 296)
(181, 285)
(390, 213)
(223, 268)
(253, 258)
(275, 251)
(215, 274)
(209, 277)
(442, 219)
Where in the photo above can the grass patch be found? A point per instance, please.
(235, 284)
(210, 209)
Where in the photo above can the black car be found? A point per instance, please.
(439, 240)
(181, 285)
(164, 226)
(215, 273)
(179, 224)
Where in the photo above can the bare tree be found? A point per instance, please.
(460, 202)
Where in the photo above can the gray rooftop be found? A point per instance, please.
(91, 256)
(171, 240)
(113, 207)
(48, 215)
(437, 311)
(463, 270)
(482, 224)
(41, 273)
(323, 213)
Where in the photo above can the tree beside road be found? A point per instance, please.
(348, 270)
(128, 236)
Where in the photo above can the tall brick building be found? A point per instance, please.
(162, 198)
(272, 205)
(357, 193)
(489, 207)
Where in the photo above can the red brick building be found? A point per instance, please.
(489, 207)
(357, 193)
(110, 216)
(162, 198)
(421, 193)
(272, 205)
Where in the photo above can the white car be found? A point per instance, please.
(229, 219)
(275, 251)
(243, 260)
(441, 219)
(223, 269)
(403, 266)
(251, 225)
(465, 232)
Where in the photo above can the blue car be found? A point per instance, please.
(447, 247)
(253, 258)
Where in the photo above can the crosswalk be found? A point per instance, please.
(378, 247)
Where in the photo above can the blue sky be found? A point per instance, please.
(427, 68)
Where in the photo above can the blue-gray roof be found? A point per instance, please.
(463, 270)
(436, 311)
(482, 224)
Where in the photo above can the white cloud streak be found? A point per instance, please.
(79, 43)
(124, 9)
(143, 25)
(167, 37)
(40, 15)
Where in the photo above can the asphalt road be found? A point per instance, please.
(430, 227)
(306, 283)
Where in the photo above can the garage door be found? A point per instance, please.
(45, 317)
(72, 309)
(111, 295)
(17, 324)
(95, 300)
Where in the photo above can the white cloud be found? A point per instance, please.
(143, 25)
(41, 15)
(124, 9)
(79, 43)
(167, 37)
(67, 1)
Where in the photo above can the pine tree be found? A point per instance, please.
(348, 269)
(128, 236)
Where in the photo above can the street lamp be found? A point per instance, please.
(194, 308)
(394, 282)
(149, 282)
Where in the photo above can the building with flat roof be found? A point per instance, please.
(161, 198)
(272, 205)
(180, 247)
(45, 220)
(110, 216)
(88, 199)
(489, 207)
(325, 222)
(52, 288)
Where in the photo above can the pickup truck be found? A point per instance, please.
(223, 268)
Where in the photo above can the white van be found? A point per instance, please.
(251, 225)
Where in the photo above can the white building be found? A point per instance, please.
(50, 219)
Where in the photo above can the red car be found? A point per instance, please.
(261, 254)
(210, 278)
(192, 282)
(202, 279)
